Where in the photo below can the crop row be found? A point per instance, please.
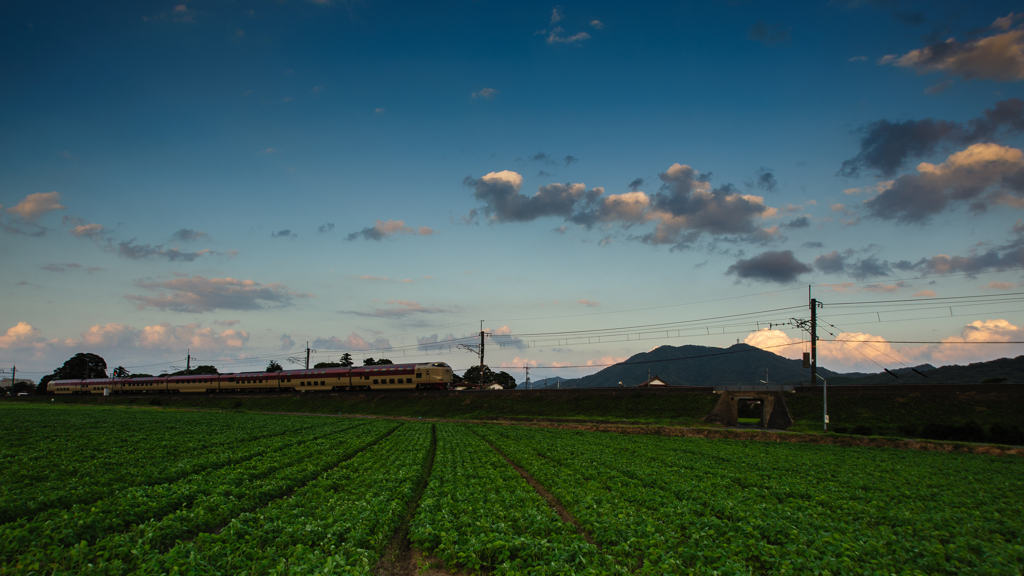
(60, 536)
(479, 513)
(38, 475)
(695, 506)
(337, 524)
(285, 495)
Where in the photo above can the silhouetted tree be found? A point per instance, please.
(472, 377)
(274, 366)
(327, 365)
(346, 360)
(80, 366)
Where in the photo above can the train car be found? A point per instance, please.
(423, 376)
(91, 386)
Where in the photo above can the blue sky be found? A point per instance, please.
(238, 178)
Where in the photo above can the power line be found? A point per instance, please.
(637, 362)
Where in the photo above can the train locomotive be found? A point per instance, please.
(424, 376)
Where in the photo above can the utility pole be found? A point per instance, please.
(481, 353)
(307, 354)
(188, 361)
(527, 377)
(14, 377)
(814, 338)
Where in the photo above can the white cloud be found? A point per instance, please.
(958, 349)
(22, 335)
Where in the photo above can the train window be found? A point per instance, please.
(322, 383)
(392, 381)
(419, 375)
(374, 380)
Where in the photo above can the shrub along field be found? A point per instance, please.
(970, 413)
(120, 490)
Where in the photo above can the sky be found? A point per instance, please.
(585, 181)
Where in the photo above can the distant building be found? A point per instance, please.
(6, 382)
(654, 382)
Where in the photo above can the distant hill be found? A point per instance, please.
(744, 364)
(701, 366)
(999, 371)
(544, 383)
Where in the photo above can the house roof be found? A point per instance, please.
(653, 381)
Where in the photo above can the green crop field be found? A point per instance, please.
(114, 490)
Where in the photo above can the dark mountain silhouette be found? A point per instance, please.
(999, 371)
(744, 364)
(701, 366)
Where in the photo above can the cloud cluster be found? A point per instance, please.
(684, 208)
(835, 262)
(997, 57)
(35, 205)
(183, 235)
(382, 230)
(556, 34)
(885, 145)
(861, 351)
(197, 294)
(129, 249)
(353, 342)
(770, 266)
(403, 309)
(981, 176)
(123, 338)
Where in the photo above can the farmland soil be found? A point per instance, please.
(398, 558)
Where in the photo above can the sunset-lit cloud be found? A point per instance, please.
(997, 57)
(869, 353)
(957, 349)
(198, 294)
(382, 230)
(87, 230)
(35, 205)
(982, 176)
(685, 208)
(404, 308)
(353, 342)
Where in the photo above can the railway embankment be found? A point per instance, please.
(958, 412)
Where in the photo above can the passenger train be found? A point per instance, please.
(426, 376)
